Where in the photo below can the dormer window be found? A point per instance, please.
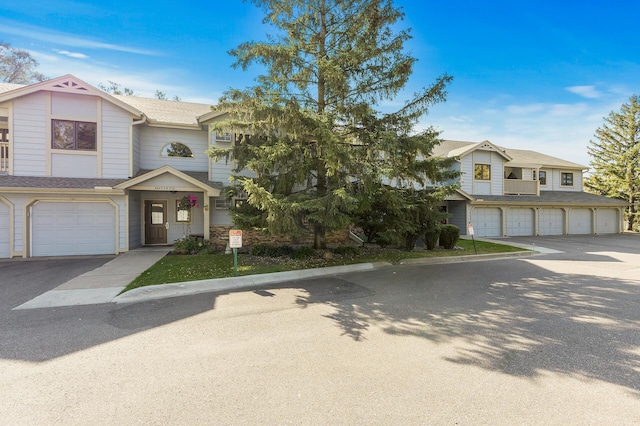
(73, 135)
(177, 149)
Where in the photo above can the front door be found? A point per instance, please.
(155, 222)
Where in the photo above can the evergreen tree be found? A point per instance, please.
(616, 159)
(318, 148)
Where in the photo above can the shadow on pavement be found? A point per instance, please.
(511, 316)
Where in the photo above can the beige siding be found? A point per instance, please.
(556, 184)
(74, 107)
(153, 139)
(73, 165)
(115, 141)
(466, 167)
(30, 127)
(135, 220)
(497, 174)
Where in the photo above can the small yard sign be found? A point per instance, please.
(235, 238)
(470, 232)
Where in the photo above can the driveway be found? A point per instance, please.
(23, 279)
(550, 339)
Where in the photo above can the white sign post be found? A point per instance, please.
(470, 232)
(235, 242)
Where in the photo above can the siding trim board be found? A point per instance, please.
(6, 230)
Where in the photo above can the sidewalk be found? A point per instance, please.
(103, 284)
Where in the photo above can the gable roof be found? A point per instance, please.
(484, 145)
(5, 87)
(514, 156)
(195, 181)
(156, 111)
(162, 112)
(67, 84)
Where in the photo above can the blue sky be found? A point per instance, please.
(537, 75)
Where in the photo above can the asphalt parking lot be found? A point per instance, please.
(549, 339)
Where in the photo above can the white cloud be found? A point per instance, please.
(588, 92)
(525, 109)
(72, 40)
(75, 55)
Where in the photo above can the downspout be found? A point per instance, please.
(133, 123)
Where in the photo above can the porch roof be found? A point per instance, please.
(551, 197)
(49, 182)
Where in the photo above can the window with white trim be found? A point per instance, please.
(73, 135)
(566, 179)
(176, 149)
(482, 172)
(224, 137)
(222, 203)
(183, 215)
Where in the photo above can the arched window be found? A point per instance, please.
(176, 149)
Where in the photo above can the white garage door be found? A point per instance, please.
(64, 229)
(4, 230)
(519, 222)
(551, 222)
(579, 221)
(487, 222)
(607, 221)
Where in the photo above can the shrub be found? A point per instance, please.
(303, 252)
(346, 251)
(431, 237)
(449, 236)
(190, 245)
(271, 250)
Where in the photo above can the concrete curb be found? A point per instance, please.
(162, 291)
(234, 283)
(466, 258)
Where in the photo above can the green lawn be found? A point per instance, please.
(173, 268)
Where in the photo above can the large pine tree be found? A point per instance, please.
(616, 159)
(317, 145)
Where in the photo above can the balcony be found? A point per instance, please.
(521, 187)
(4, 148)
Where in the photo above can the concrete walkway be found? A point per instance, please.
(103, 284)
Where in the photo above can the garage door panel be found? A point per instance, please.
(607, 221)
(551, 222)
(487, 222)
(73, 228)
(519, 222)
(580, 221)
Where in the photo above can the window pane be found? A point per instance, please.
(183, 216)
(157, 214)
(177, 149)
(543, 178)
(86, 135)
(63, 134)
(482, 172)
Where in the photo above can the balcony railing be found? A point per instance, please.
(4, 157)
(521, 187)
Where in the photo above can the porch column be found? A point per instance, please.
(205, 210)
